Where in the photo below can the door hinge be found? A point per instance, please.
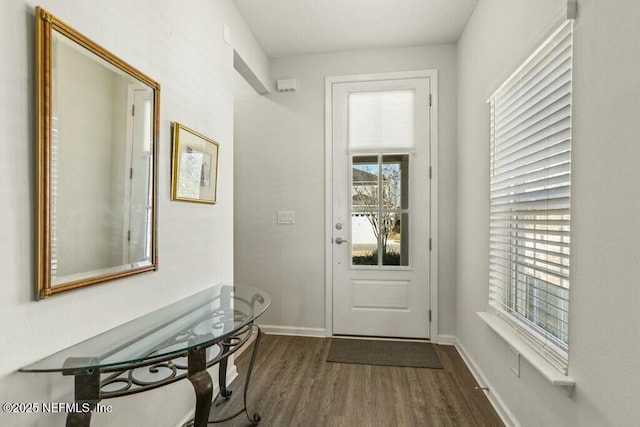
(430, 172)
(430, 243)
(430, 100)
(130, 173)
(128, 235)
(429, 316)
(133, 109)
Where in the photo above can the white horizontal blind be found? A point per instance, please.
(381, 120)
(530, 197)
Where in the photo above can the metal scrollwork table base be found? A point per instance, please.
(179, 341)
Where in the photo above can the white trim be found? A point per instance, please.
(294, 331)
(447, 340)
(433, 204)
(232, 371)
(494, 398)
(394, 75)
(511, 337)
(328, 205)
(188, 416)
(433, 147)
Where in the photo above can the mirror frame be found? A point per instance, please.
(46, 23)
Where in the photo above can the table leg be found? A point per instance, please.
(87, 396)
(222, 374)
(202, 385)
(255, 419)
(78, 419)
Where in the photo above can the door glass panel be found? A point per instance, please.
(365, 208)
(364, 238)
(379, 205)
(364, 183)
(395, 181)
(395, 239)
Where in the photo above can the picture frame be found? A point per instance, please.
(194, 174)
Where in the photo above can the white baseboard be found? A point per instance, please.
(292, 330)
(447, 340)
(232, 374)
(494, 398)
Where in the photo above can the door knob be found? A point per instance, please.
(340, 240)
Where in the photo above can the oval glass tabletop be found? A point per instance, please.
(197, 321)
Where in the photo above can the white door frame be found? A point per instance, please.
(433, 155)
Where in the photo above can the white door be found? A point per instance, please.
(381, 204)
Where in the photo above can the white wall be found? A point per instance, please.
(605, 295)
(279, 165)
(164, 39)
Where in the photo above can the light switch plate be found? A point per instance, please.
(286, 217)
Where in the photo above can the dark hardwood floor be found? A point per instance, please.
(293, 385)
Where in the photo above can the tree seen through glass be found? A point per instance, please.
(379, 210)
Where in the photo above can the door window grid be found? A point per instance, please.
(379, 210)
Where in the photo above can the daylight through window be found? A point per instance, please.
(530, 198)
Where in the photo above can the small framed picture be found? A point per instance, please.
(194, 174)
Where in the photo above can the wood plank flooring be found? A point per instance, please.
(293, 385)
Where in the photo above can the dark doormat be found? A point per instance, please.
(386, 353)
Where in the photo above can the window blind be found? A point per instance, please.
(381, 120)
(530, 188)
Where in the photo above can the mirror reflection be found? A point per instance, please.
(98, 127)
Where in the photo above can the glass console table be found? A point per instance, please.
(178, 341)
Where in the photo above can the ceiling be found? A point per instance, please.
(295, 27)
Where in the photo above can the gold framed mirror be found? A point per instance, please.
(97, 136)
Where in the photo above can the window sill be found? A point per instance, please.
(512, 338)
